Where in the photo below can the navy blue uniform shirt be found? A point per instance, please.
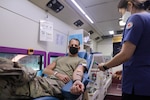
(136, 71)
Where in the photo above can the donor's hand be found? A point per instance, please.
(63, 77)
(77, 88)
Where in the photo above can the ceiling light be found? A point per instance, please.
(111, 32)
(121, 23)
(76, 4)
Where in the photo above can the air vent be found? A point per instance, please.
(78, 23)
(55, 5)
(107, 36)
(97, 38)
(91, 32)
(119, 32)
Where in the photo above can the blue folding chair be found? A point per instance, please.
(66, 89)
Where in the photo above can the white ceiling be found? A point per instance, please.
(104, 13)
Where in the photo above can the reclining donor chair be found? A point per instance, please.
(66, 89)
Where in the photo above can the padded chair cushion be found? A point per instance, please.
(82, 54)
(89, 60)
(66, 89)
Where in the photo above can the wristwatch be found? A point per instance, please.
(105, 67)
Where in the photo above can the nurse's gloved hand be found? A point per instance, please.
(100, 66)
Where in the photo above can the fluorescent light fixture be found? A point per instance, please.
(89, 18)
(111, 32)
(76, 4)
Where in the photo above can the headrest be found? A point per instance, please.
(89, 60)
(82, 54)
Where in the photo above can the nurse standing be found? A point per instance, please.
(135, 52)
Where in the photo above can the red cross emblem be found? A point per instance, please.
(129, 25)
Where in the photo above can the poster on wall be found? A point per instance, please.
(46, 30)
(78, 36)
(60, 39)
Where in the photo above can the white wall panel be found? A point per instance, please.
(20, 26)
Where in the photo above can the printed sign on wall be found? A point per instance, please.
(46, 30)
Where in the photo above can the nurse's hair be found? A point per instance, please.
(123, 4)
(138, 4)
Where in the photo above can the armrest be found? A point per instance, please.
(85, 79)
(66, 89)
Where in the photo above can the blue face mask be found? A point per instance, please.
(73, 50)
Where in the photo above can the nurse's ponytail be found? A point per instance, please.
(145, 5)
(148, 4)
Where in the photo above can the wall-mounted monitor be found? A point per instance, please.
(36, 60)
